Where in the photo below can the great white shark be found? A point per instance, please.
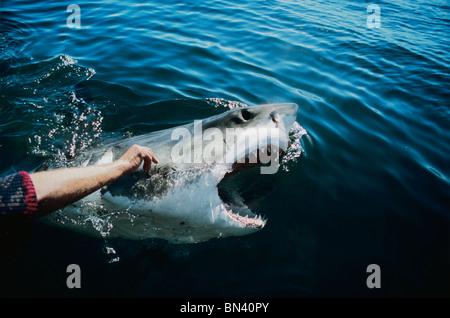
(179, 199)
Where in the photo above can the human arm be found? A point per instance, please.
(58, 188)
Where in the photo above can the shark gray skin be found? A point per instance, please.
(178, 200)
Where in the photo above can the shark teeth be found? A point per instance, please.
(254, 221)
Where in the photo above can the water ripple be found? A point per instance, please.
(373, 186)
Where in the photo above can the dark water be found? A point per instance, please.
(371, 188)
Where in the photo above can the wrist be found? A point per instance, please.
(122, 166)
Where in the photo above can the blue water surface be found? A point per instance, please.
(371, 188)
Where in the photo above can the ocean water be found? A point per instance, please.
(372, 186)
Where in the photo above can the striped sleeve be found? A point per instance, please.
(17, 195)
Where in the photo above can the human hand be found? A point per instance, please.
(132, 159)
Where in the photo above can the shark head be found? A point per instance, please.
(239, 137)
(181, 200)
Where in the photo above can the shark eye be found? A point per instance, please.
(246, 114)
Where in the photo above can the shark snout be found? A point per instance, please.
(283, 115)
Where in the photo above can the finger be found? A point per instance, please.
(154, 159)
(147, 163)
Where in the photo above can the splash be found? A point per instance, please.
(295, 148)
(220, 102)
(45, 92)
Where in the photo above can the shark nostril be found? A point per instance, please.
(274, 117)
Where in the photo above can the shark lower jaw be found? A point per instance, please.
(235, 208)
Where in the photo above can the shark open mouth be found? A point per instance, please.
(233, 201)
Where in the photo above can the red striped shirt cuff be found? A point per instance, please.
(30, 196)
